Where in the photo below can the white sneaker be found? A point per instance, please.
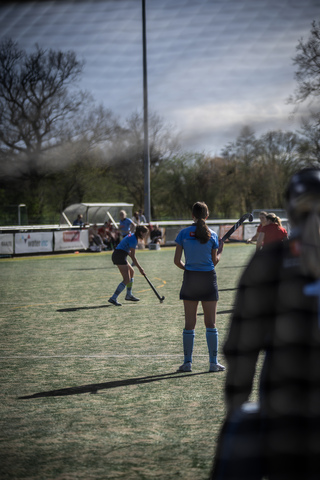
(114, 302)
(216, 367)
(185, 367)
(132, 298)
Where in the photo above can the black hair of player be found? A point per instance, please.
(140, 231)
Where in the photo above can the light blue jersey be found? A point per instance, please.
(130, 241)
(124, 226)
(198, 256)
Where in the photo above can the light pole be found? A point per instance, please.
(19, 212)
(146, 155)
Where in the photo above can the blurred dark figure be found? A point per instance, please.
(277, 312)
(95, 241)
(104, 233)
(79, 221)
(142, 218)
(113, 233)
(136, 218)
(155, 234)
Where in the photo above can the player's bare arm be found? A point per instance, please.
(177, 258)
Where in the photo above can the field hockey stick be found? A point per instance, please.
(246, 216)
(153, 288)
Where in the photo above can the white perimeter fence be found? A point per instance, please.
(26, 240)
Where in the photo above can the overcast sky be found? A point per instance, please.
(213, 65)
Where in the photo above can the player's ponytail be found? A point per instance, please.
(274, 219)
(200, 212)
(277, 221)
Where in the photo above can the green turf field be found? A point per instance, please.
(102, 399)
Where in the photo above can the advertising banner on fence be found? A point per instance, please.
(237, 235)
(71, 240)
(6, 244)
(250, 230)
(33, 242)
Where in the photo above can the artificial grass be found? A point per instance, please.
(90, 391)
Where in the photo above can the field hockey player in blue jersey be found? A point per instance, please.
(126, 225)
(126, 247)
(200, 246)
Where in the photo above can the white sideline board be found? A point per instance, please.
(33, 242)
(6, 244)
(71, 240)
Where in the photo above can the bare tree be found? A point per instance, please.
(310, 143)
(308, 62)
(38, 99)
(307, 75)
(49, 128)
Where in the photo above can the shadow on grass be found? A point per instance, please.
(95, 387)
(222, 312)
(74, 309)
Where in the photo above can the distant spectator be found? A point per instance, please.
(114, 233)
(79, 221)
(105, 236)
(126, 225)
(136, 218)
(142, 217)
(95, 241)
(155, 234)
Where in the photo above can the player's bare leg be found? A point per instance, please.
(127, 273)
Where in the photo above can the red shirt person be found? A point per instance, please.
(272, 232)
(263, 222)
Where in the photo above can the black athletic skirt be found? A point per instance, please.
(199, 286)
(119, 257)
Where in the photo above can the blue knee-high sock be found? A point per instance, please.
(129, 287)
(119, 289)
(188, 342)
(212, 342)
